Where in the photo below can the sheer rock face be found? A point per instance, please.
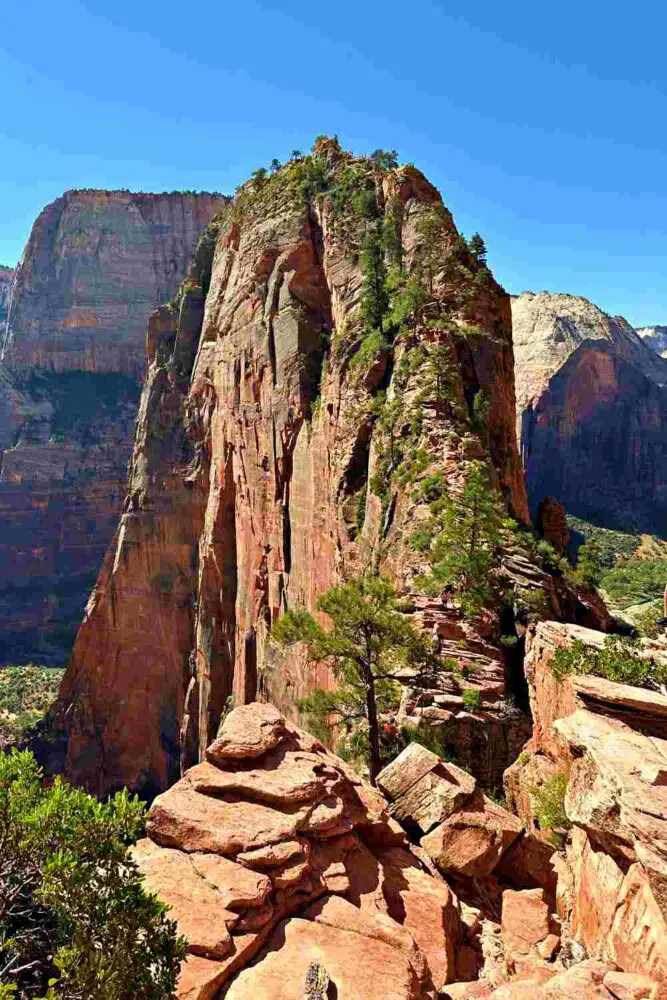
(610, 741)
(95, 265)
(276, 859)
(6, 276)
(248, 482)
(591, 412)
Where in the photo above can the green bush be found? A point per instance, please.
(549, 806)
(472, 699)
(75, 921)
(618, 660)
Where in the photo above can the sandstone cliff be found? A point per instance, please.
(606, 742)
(6, 276)
(266, 467)
(591, 413)
(95, 265)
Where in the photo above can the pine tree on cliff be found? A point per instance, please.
(464, 551)
(478, 248)
(371, 647)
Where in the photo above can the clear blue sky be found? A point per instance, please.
(543, 125)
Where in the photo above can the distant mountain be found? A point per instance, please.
(656, 338)
(591, 412)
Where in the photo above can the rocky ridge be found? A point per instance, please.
(283, 870)
(95, 265)
(591, 412)
(261, 471)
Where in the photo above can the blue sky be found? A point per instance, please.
(542, 125)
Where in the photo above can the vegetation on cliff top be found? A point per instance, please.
(621, 659)
(75, 921)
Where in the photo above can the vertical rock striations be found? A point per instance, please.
(96, 264)
(6, 276)
(655, 337)
(260, 473)
(591, 413)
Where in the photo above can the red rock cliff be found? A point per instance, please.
(95, 265)
(591, 412)
(256, 442)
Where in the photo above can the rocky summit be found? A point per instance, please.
(591, 412)
(280, 448)
(73, 356)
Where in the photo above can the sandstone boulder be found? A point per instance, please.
(272, 824)
(425, 789)
(525, 922)
(472, 841)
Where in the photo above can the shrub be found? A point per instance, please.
(26, 694)
(618, 660)
(472, 699)
(635, 581)
(549, 806)
(75, 921)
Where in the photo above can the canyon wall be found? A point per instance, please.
(96, 264)
(264, 459)
(591, 413)
(6, 276)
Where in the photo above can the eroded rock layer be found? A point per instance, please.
(272, 856)
(253, 482)
(604, 745)
(95, 265)
(591, 413)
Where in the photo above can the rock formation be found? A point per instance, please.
(95, 265)
(273, 856)
(607, 743)
(290, 878)
(591, 413)
(6, 276)
(655, 337)
(261, 470)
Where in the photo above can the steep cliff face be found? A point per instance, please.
(263, 468)
(591, 413)
(655, 337)
(95, 265)
(6, 276)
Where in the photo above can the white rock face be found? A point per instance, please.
(656, 338)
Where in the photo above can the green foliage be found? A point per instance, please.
(360, 508)
(421, 539)
(472, 699)
(479, 416)
(509, 641)
(26, 694)
(386, 159)
(75, 921)
(371, 646)
(374, 296)
(465, 549)
(645, 620)
(549, 806)
(524, 757)
(618, 660)
(612, 545)
(635, 581)
(588, 571)
(478, 248)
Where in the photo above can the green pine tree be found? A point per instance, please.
(478, 248)
(465, 547)
(371, 646)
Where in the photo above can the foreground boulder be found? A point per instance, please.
(272, 852)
